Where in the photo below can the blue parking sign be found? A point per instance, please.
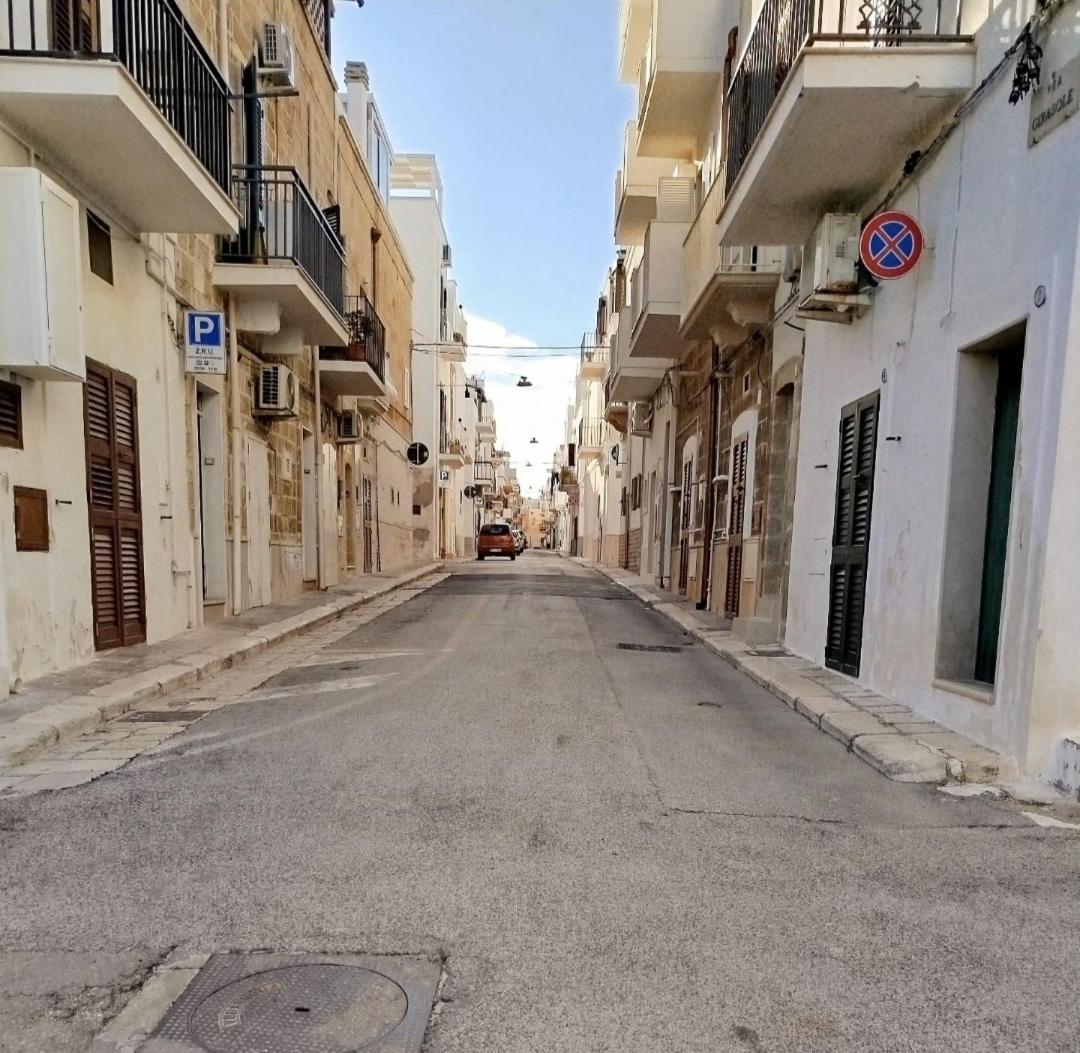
(204, 342)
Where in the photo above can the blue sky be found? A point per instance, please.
(520, 101)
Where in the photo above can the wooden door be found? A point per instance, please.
(736, 518)
(851, 534)
(111, 427)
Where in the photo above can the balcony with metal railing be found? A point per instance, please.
(123, 96)
(594, 358)
(358, 368)
(724, 288)
(484, 475)
(451, 450)
(286, 263)
(828, 100)
(679, 74)
(590, 437)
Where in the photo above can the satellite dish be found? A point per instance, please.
(417, 453)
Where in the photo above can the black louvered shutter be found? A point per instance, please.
(851, 534)
(63, 26)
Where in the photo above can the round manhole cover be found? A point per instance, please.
(300, 1009)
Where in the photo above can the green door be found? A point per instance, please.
(998, 505)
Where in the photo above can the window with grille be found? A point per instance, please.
(99, 240)
(10, 415)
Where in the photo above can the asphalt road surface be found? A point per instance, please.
(612, 849)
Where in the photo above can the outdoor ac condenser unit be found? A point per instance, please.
(350, 426)
(276, 55)
(641, 417)
(276, 393)
(829, 277)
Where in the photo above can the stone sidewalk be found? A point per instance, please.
(900, 743)
(64, 705)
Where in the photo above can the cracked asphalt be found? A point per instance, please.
(614, 850)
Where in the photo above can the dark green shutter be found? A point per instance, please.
(851, 534)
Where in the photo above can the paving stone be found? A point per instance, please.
(901, 758)
(849, 726)
(918, 727)
(814, 707)
(55, 781)
(897, 715)
(790, 687)
(979, 764)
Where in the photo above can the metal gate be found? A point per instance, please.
(365, 491)
(736, 518)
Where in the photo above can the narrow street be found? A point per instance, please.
(609, 839)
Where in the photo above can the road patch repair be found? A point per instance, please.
(279, 1003)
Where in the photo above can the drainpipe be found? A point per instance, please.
(5, 650)
(234, 429)
(223, 37)
(320, 575)
(710, 492)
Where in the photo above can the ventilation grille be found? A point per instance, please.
(674, 199)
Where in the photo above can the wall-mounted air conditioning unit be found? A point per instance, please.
(350, 427)
(641, 417)
(276, 64)
(41, 290)
(276, 392)
(829, 277)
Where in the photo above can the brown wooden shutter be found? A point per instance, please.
(851, 534)
(112, 484)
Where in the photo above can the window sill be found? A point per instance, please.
(976, 690)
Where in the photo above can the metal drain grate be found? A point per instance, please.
(291, 1003)
(649, 647)
(769, 652)
(164, 715)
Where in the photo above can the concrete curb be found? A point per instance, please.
(23, 739)
(896, 741)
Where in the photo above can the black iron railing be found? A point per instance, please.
(367, 337)
(484, 472)
(279, 220)
(785, 27)
(590, 432)
(591, 351)
(161, 51)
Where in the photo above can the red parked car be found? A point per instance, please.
(496, 539)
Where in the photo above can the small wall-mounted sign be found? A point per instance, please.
(204, 342)
(1055, 101)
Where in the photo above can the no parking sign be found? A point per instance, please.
(891, 245)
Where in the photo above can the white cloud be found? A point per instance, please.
(522, 414)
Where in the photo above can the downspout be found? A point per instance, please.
(663, 563)
(320, 576)
(234, 427)
(710, 492)
(223, 37)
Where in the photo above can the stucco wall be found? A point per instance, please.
(1000, 220)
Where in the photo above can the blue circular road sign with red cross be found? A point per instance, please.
(891, 245)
